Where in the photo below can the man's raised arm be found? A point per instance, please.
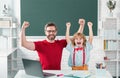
(27, 44)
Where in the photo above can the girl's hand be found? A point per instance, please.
(68, 24)
(90, 24)
(81, 22)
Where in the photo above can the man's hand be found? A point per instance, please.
(81, 22)
(25, 24)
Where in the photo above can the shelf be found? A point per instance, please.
(111, 44)
(13, 59)
(111, 39)
(5, 17)
(14, 69)
(6, 52)
(114, 39)
(8, 47)
(13, 37)
(110, 50)
(111, 60)
(7, 27)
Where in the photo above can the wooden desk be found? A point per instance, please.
(21, 74)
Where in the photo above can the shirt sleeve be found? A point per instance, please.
(89, 46)
(69, 47)
(37, 45)
(63, 42)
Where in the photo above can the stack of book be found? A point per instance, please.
(5, 24)
(110, 45)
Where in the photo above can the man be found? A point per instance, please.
(49, 50)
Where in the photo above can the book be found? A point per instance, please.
(5, 24)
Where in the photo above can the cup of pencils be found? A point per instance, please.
(100, 70)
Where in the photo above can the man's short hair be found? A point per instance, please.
(50, 24)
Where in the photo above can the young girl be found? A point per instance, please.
(79, 47)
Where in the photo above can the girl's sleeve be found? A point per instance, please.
(69, 47)
(89, 46)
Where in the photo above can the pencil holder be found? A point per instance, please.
(100, 73)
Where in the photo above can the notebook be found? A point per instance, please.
(34, 68)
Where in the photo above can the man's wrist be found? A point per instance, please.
(23, 28)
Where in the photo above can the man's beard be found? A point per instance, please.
(51, 37)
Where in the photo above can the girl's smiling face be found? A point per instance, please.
(79, 41)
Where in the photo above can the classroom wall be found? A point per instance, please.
(14, 8)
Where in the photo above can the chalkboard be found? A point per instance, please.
(40, 12)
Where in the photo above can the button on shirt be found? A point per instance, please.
(79, 55)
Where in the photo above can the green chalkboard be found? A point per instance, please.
(40, 12)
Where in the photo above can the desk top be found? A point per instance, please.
(65, 74)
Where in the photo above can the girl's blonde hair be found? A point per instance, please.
(79, 35)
